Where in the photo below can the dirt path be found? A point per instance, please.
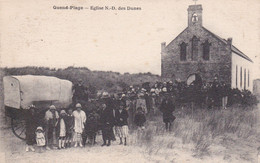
(94, 154)
(14, 151)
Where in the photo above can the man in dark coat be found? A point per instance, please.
(30, 126)
(224, 89)
(80, 93)
(51, 121)
(167, 107)
(215, 92)
(148, 101)
(107, 124)
(140, 119)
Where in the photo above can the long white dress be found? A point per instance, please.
(62, 128)
(40, 139)
(79, 120)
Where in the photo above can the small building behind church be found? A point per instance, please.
(198, 51)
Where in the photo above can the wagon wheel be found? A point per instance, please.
(18, 128)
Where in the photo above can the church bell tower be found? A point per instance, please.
(195, 15)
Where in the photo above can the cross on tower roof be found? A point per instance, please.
(195, 1)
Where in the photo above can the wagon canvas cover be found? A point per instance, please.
(22, 91)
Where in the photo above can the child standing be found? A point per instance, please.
(69, 128)
(40, 139)
(91, 127)
(62, 129)
(121, 116)
(140, 119)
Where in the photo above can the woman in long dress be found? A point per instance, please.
(79, 122)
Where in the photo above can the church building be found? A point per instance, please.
(197, 51)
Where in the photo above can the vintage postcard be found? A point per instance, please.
(130, 81)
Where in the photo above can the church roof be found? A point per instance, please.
(233, 48)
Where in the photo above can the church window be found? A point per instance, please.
(241, 77)
(206, 49)
(244, 78)
(183, 51)
(195, 49)
(248, 78)
(236, 76)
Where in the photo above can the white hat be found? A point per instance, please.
(152, 90)
(52, 107)
(123, 95)
(164, 89)
(105, 95)
(62, 112)
(31, 106)
(39, 128)
(78, 105)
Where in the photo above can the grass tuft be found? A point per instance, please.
(201, 130)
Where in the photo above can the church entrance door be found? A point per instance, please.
(194, 79)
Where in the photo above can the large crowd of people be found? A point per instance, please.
(115, 113)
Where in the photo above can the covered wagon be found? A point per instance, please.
(42, 91)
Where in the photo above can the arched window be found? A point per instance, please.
(206, 49)
(248, 78)
(241, 77)
(236, 76)
(194, 18)
(194, 50)
(244, 78)
(183, 51)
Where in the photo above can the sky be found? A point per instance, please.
(34, 34)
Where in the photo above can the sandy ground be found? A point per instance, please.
(12, 149)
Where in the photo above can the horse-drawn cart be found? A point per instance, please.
(42, 91)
